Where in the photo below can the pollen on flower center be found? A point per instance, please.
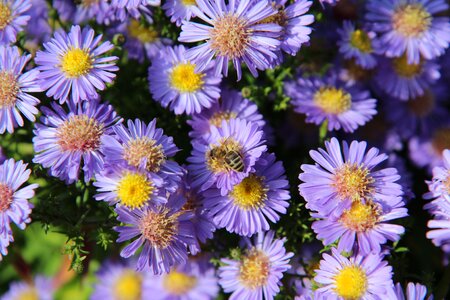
(351, 282)
(230, 36)
(128, 286)
(134, 190)
(361, 216)
(352, 181)
(251, 192)
(6, 197)
(189, 2)
(8, 89)
(5, 15)
(144, 149)
(218, 117)
(361, 41)
(184, 78)
(441, 140)
(402, 68)
(332, 100)
(225, 157)
(76, 62)
(254, 269)
(178, 283)
(79, 133)
(159, 228)
(423, 105)
(142, 33)
(29, 294)
(411, 20)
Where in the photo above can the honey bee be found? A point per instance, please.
(232, 159)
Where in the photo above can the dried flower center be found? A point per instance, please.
(351, 283)
(332, 100)
(178, 283)
(403, 69)
(423, 105)
(76, 62)
(411, 20)
(254, 270)
(8, 89)
(5, 15)
(144, 151)
(29, 294)
(225, 157)
(142, 33)
(360, 40)
(6, 197)
(159, 228)
(128, 286)
(441, 140)
(188, 2)
(361, 216)
(353, 181)
(446, 184)
(88, 3)
(79, 133)
(218, 117)
(134, 190)
(250, 192)
(185, 79)
(230, 36)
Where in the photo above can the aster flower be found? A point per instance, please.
(177, 83)
(72, 66)
(262, 195)
(41, 288)
(413, 292)
(226, 156)
(14, 204)
(439, 186)
(259, 271)
(64, 141)
(328, 99)
(38, 27)
(410, 27)
(341, 177)
(358, 277)
(144, 146)
(13, 17)
(234, 33)
(15, 86)
(179, 10)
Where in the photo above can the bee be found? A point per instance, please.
(232, 159)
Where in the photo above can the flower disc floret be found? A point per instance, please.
(361, 217)
(134, 190)
(411, 20)
(6, 197)
(79, 133)
(128, 286)
(255, 269)
(351, 282)
(76, 62)
(5, 15)
(159, 227)
(250, 192)
(333, 100)
(353, 181)
(230, 36)
(8, 89)
(144, 149)
(361, 40)
(185, 79)
(179, 283)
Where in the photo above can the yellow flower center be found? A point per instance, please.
(218, 117)
(146, 149)
(250, 192)
(230, 36)
(360, 40)
(6, 197)
(352, 181)
(142, 33)
(185, 79)
(5, 15)
(188, 2)
(178, 283)
(128, 286)
(411, 20)
(29, 294)
(332, 100)
(225, 157)
(76, 62)
(361, 216)
(8, 89)
(134, 190)
(79, 133)
(255, 269)
(351, 283)
(441, 140)
(423, 105)
(159, 228)
(402, 68)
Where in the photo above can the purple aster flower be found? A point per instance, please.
(226, 156)
(410, 27)
(38, 27)
(439, 186)
(13, 17)
(177, 83)
(146, 147)
(179, 10)
(64, 141)
(413, 292)
(14, 204)
(163, 233)
(358, 277)
(339, 178)
(41, 288)
(259, 271)
(15, 86)
(328, 99)
(234, 32)
(72, 66)
(262, 195)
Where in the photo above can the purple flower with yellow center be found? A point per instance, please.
(410, 27)
(177, 83)
(13, 17)
(262, 195)
(73, 65)
(179, 10)
(41, 288)
(144, 146)
(234, 32)
(414, 291)
(259, 271)
(226, 156)
(14, 204)
(64, 141)
(340, 178)
(330, 100)
(362, 277)
(15, 86)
